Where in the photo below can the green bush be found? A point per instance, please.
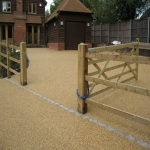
(15, 66)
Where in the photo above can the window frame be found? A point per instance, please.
(6, 6)
(32, 8)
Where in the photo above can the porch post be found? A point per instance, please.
(39, 35)
(8, 51)
(32, 34)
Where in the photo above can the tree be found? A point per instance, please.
(105, 11)
(54, 5)
(129, 9)
(47, 14)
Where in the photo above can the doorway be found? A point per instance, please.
(9, 30)
(33, 34)
(75, 34)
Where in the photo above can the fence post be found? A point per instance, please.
(82, 71)
(118, 32)
(8, 52)
(93, 33)
(148, 31)
(23, 64)
(137, 54)
(130, 30)
(108, 31)
(100, 32)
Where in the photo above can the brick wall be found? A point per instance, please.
(19, 4)
(56, 46)
(19, 24)
(19, 31)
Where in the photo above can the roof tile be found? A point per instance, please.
(69, 6)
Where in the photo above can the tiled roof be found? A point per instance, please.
(69, 6)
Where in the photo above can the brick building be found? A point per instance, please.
(69, 25)
(24, 20)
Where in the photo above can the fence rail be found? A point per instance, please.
(96, 56)
(22, 61)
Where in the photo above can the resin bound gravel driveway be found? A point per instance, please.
(42, 115)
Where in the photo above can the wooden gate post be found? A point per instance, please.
(8, 52)
(23, 64)
(82, 71)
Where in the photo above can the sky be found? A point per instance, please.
(48, 4)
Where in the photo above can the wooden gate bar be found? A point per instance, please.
(125, 58)
(100, 73)
(108, 88)
(99, 69)
(14, 47)
(128, 65)
(4, 55)
(15, 60)
(2, 44)
(118, 112)
(121, 74)
(114, 67)
(91, 62)
(113, 47)
(3, 65)
(132, 70)
(15, 72)
(126, 87)
(22, 61)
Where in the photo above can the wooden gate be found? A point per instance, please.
(129, 65)
(75, 34)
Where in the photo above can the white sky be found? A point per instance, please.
(48, 4)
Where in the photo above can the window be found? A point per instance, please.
(6, 6)
(32, 8)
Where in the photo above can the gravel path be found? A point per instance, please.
(29, 122)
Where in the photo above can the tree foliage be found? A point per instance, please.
(129, 9)
(54, 5)
(105, 11)
(47, 14)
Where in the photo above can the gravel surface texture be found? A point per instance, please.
(29, 122)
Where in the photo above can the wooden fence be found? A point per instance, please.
(124, 32)
(22, 61)
(96, 56)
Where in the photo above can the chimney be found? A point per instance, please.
(19, 7)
